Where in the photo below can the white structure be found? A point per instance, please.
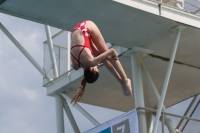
(146, 35)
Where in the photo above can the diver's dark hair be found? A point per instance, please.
(89, 77)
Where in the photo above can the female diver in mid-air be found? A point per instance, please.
(88, 48)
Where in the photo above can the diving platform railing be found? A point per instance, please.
(190, 6)
(182, 124)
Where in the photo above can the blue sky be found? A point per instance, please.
(24, 106)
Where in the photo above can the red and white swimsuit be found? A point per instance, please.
(86, 34)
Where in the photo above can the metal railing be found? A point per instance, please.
(191, 6)
(61, 60)
(190, 124)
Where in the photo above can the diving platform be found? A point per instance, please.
(143, 32)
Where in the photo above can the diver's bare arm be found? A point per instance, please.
(101, 57)
(108, 65)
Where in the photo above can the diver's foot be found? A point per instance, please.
(123, 90)
(127, 88)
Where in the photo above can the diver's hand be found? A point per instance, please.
(115, 55)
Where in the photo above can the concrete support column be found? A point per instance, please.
(59, 114)
(149, 122)
(138, 90)
(58, 98)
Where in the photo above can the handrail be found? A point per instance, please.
(153, 110)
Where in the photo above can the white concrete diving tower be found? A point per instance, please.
(158, 46)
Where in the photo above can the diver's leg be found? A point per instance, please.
(116, 68)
